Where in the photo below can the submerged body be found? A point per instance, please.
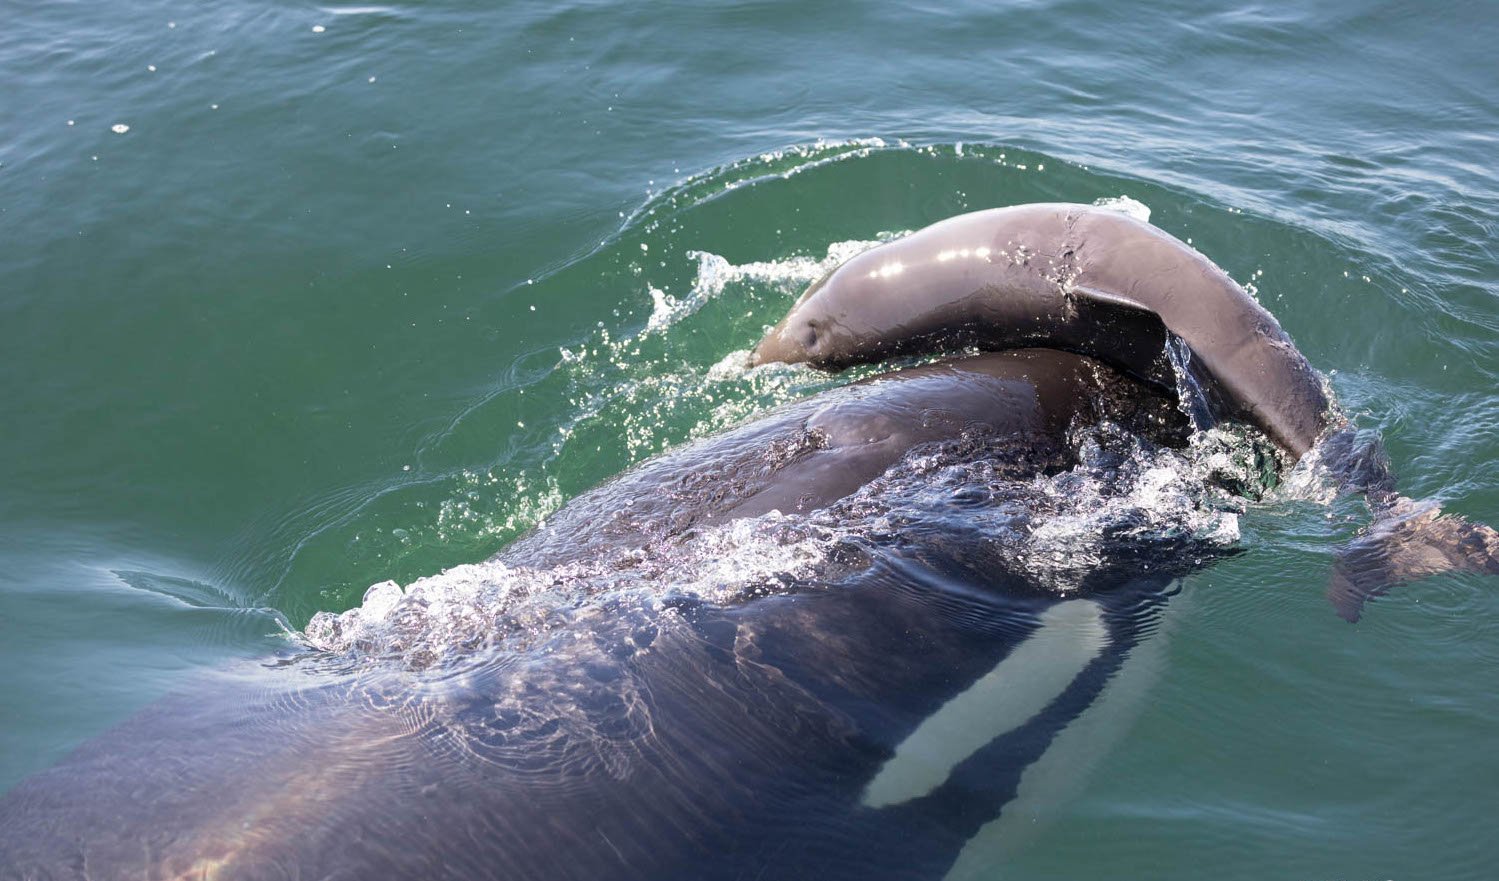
(860, 721)
(760, 740)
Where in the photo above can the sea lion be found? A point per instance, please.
(1073, 277)
(1097, 281)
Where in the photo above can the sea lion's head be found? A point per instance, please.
(932, 291)
(857, 313)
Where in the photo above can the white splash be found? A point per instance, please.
(730, 367)
(359, 10)
(1123, 505)
(1089, 515)
(493, 603)
(1126, 206)
(715, 274)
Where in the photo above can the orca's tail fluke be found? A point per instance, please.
(1408, 540)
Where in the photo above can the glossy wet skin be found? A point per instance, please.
(686, 745)
(835, 443)
(1073, 277)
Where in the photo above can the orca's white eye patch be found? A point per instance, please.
(1071, 635)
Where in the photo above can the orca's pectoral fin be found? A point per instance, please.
(1407, 541)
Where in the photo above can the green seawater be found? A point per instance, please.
(295, 299)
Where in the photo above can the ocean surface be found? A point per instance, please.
(298, 298)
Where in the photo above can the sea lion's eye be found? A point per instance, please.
(809, 336)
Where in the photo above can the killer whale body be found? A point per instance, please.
(785, 736)
(815, 451)
(709, 740)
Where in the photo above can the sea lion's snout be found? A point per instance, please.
(796, 338)
(793, 341)
(772, 347)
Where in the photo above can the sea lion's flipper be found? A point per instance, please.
(1358, 463)
(1408, 540)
